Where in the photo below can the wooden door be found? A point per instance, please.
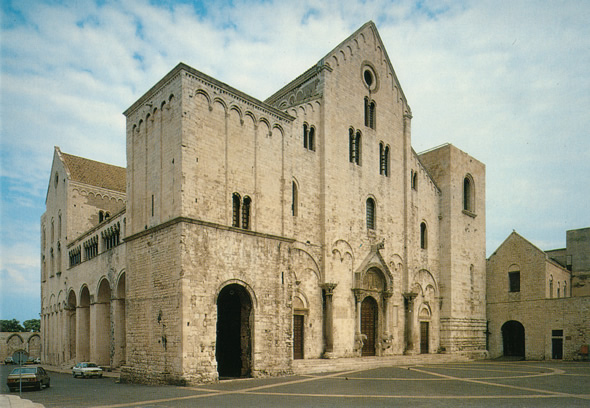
(369, 325)
(298, 337)
(424, 337)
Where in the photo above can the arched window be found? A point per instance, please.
(295, 199)
(52, 231)
(414, 180)
(370, 113)
(564, 289)
(59, 227)
(551, 286)
(308, 137)
(468, 194)
(383, 159)
(236, 203)
(100, 216)
(246, 213)
(371, 213)
(423, 236)
(354, 146)
(558, 289)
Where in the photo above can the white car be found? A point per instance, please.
(86, 370)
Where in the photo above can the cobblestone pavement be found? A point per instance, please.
(456, 384)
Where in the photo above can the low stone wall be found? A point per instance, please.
(14, 341)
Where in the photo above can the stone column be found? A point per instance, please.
(328, 320)
(409, 328)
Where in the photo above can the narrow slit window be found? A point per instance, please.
(246, 213)
(370, 213)
(236, 201)
(295, 199)
(423, 236)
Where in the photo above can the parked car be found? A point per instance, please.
(30, 361)
(86, 369)
(8, 360)
(37, 360)
(31, 377)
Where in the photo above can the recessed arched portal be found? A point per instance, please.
(71, 321)
(234, 332)
(103, 324)
(369, 325)
(513, 339)
(83, 326)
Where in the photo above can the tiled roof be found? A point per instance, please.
(95, 173)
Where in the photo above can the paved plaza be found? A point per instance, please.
(467, 384)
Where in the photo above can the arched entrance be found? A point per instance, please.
(71, 322)
(83, 326)
(233, 349)
(369, 325)
(119, 323)
(513, 339)
(103, 324)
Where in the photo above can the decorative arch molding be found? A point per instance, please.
(421, 280)
(374, 261)
(15, 335)
(424, 311)
(307, 262)
(203, 93)
(221, 102)
(279, 128)
(341, 248)
(238, 110)
(252, 117)
(304, 306)
(239, 282)
(34, 336)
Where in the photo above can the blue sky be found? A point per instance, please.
(508, 82)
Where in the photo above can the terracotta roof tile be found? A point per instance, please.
(95, 173)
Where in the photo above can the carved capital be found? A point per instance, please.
(329, 288)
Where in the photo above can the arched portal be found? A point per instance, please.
(234, 332)
(71, 324)
(513, 339)
(83, 326)
(369, 325)
(102, 340)
(119, 326)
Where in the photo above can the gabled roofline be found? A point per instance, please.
(56, 152)
(321, 65)
(182, 67)
(516, 234)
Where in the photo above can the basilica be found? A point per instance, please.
(245, 235)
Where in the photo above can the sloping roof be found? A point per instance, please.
(95, 173)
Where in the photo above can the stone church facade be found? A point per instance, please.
(250, 234)
(538, 302)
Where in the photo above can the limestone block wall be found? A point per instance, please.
(540, 318)
(217, 256)
(154, 155)
(462, 237)
(10, 342)
(154, 306)
(578, 249)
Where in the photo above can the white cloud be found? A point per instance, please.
(506, 82)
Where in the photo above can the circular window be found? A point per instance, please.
(369, 77)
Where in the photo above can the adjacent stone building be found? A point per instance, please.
(537, 305)
(250, 234)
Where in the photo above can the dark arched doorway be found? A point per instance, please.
(233, 346)
(369, 325)
(513, 339)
